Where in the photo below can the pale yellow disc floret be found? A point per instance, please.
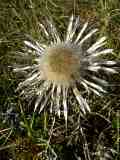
(60, 65)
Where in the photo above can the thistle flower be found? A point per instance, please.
(63, 65)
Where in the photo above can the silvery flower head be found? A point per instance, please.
(64, 64)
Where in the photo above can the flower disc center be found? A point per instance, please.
(60, 65)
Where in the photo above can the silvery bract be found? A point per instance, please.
(64, 64)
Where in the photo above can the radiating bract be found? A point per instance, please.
(63, 66)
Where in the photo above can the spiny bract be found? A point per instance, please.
(63, 66)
